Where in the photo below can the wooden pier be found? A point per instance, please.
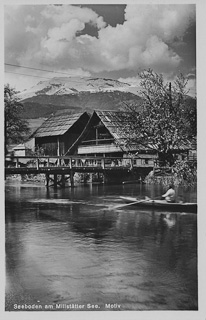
(66, 166)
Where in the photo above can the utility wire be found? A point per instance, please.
(19, 66)
(28, 75)
(31, 68)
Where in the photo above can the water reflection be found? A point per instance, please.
(71, 248)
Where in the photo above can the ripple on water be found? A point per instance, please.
(74, 248)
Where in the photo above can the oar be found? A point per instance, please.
(129, 204)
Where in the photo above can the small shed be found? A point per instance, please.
(21, 150)
(56, 135)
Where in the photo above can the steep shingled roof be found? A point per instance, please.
(57, 124)
(118, 124)
(115, 122)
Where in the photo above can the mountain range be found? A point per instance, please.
(76, 94)
(79, 94)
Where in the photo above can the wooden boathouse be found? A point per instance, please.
(56, 135)
(105, 135)
(93, 145)
(96, 144)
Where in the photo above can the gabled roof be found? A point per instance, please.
(58, 124)
(116, 122)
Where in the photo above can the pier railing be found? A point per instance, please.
(78, 162)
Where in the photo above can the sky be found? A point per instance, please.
(111, 41)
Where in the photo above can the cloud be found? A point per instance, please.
(191, 84)
(63, 14)
(51, 36)
(191, 87)
(45, 32)
(145, 37)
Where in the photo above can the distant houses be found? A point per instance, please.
(20, 150)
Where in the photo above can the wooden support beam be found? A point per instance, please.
(72, 178)
(37, 164)
(105, 177)
(63, 181)
(131, 163)
(55, 180)
(96, 136)
(58, 147)
(103, 163)
(58, 152)
(47, 180)
(70, 162)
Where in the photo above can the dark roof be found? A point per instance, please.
(58, 124)
(116, 122)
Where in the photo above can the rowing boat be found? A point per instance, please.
(162, 204)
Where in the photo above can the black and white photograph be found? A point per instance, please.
(101, 212)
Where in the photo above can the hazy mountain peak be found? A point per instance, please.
(74, 85)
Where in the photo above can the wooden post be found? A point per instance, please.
(63, 146)
(47, 180)
(72, 178)
(55, 180)
(70, 162)
(17, 163)
(105, 178)
(63, 181)
(103, 163)
(154, 165)
(58, 151)
(131, 163)
(37, 164)
(58, 147)
(96, 136)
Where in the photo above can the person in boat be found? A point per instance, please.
(170, 194)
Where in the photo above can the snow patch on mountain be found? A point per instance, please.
(75, 85)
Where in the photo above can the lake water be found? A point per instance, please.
(70, 250)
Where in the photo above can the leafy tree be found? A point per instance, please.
(164, 122)
(185, 171)
(191, 117)
(15, 128)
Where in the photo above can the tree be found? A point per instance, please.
(15, 127)
(191, 117)
(163, 123)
